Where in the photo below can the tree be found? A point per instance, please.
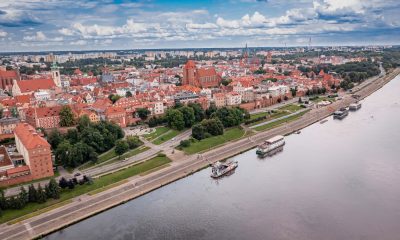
(143, 113)
(184, 143)
(226, 82)
(53, 190)
(63, 183)
(66, 116)
(32, 193)
(212, 109)
(213, 126)
(54, 138)
(83, 122)
(63, 153)
(199, 113)
(114, 98)
(198, 131)
(293, 91)
(188, 115)
(229, 116)
(14, 112)
(128, 94)
(133, 142)
(175, 119)
(121, 146)
(41, 195)
(23, 195)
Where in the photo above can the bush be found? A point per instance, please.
(161, 155)
(184, 143)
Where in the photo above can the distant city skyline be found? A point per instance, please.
(63, 25)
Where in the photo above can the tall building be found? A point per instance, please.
(200, 77)
(55, 73)
(33, 160)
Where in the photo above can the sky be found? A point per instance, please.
(51, 25)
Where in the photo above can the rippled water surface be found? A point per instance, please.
(337, 180)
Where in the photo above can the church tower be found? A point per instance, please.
(55, 73)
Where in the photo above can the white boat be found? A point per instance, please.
(221, 168)
(355, 106)
(270, 144)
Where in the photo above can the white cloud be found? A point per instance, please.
(41, 37)
(3, 33)
(66, 32)
(79, 42)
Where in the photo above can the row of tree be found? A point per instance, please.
(123, 145)
(207, 128)
(33, 195)
(84, 143)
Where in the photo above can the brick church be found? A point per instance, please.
(200, 77)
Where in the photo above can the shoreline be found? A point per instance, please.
(54, 220)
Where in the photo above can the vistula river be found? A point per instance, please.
(337, 180)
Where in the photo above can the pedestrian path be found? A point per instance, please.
(279, 118)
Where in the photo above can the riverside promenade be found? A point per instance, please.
(139, 185)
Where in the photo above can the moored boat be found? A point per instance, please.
(341, 113)
(270, 144)
(219, 169)
(355, 106)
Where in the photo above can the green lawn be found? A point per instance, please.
(270, 117)
(101, 182)
(279, 122)
(167, 136)
(291, 108)
(258, 115)
(159, 131)
(211, 142)
(111, 157)
(106, 156)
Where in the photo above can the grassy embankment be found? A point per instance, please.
(110, 157)
(212, 142)
(280, 112)
(279, 122)
(101, 184)
(161, 135)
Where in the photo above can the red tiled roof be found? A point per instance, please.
(18, 170)
(8, 74)
(114, 110)
(34, 85)
(23, 98)
(29, 137)
(206, 72)
(44, 111)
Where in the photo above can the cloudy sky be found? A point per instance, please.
(35, 25)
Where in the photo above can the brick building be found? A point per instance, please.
(200, 77)
(35, 152)
(44, 117)
(7, 78)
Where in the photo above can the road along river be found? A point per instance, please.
(337, 180)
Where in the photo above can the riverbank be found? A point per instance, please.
(71, 213)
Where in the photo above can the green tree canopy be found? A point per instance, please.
(66, 116)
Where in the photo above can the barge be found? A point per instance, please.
(270, 145)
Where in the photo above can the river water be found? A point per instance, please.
(337, 180)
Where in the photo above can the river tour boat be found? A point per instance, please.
(341, 113)
(355, 106)
(270, 145)
(219, 169)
